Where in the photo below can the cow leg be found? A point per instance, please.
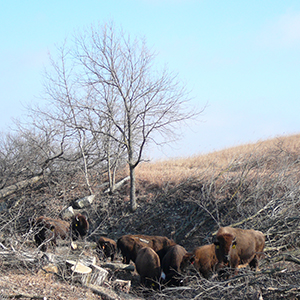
(254, 263)
(44, 247)
(126, 259)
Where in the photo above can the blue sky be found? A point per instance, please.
(241, 58)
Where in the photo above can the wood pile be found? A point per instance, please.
(73, 267)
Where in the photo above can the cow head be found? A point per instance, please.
(187, 260)
(80, 226)
(107, 248)
(222, 246)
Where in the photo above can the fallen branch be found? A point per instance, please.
(249, 218)
(20, 296)
(293, 290)
(285, 257)
(19, 185)
(118, 184)
(109, 294)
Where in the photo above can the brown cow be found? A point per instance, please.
(148, 266)
(129, 247)
(171, 264)
(239, 246)
(203, 258)
(79, 226)
(130, 244)
(48, 230)
(106, 246)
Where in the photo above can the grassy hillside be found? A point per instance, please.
(180, 169)
(249, 186)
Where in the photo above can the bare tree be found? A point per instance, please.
(108, 96)
(138, 100)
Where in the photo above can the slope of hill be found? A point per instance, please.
(249, 186)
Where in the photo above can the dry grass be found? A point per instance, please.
(29, 286)
(210, 165)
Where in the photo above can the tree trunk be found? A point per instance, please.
(133, 205)
(19, 185)
(110, 178)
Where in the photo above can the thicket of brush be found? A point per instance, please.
(250, 186)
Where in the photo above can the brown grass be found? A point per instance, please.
(210, 165)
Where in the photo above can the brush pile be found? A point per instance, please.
(254, 186)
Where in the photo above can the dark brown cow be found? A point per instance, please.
(130, 244)
(171, 264)
(48, 230)
(239, 246)
(148, 266)
(203, 258)
(106, 246)
(129, 247)
(79, 226)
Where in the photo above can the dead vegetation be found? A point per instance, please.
(250, 186)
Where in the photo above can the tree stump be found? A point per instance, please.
(98, 275)
(78, 272)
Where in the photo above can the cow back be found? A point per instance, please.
(129, 247)
(160, 244)
(131, 243)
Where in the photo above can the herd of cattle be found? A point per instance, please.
(158, 258)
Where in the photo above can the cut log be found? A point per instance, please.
(84, 202)
(79, 272)
(98, 275)
(118, 185)
(104, 292)
(67, 213)
(122, 285)
(74, 246)
(87, 260)
(118, 266)
(81, 245)
(12, 257)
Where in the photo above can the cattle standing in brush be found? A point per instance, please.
(148, 266)
(48, 230)
(106, 246)
(171, 265)
(203, 258)
(237, 246)
(129, 247)
(79, 226)
(130, 244)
